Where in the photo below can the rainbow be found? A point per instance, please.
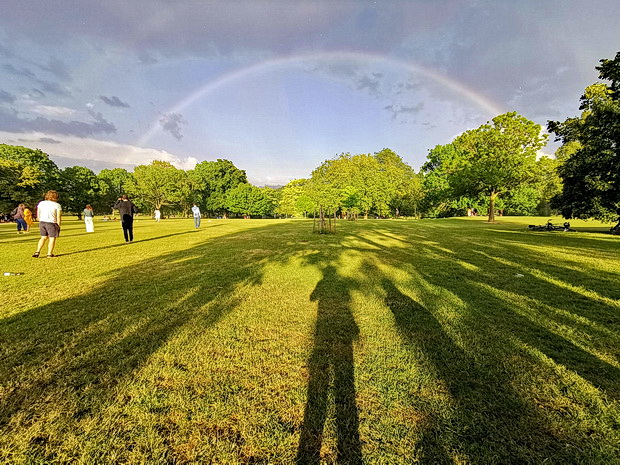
(482, 102)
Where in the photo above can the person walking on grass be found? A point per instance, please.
(89, 216)
(157, 214)
(127, 209)
(196, 212)
(49, 214)
(18, 216)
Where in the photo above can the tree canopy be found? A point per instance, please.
(591, 168)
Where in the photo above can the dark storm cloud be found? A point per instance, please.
(11, 122)
(6, 97)
(114, 101)
(172, 123)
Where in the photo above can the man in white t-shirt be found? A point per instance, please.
(49, 213)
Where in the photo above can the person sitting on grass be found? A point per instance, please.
(49, 213)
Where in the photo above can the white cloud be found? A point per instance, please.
(54, 111)
(94, 150)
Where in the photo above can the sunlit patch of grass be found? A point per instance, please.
(256, 341)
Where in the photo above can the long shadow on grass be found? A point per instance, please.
(494, 423)
(60, 363)
(331, 368)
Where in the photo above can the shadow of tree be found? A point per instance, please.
(68, 356)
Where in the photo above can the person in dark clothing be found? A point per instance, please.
(126, 209)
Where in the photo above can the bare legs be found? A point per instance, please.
(50, 245)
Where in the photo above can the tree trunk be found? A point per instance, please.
(492, 198)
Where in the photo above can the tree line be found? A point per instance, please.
(495, 168)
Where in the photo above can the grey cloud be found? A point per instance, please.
(49, 140)
(51, 87)
(114, 101)
(13, 123)
(154, 25)
(6, 97)
(45, 140)
(58, 69)
(171, 123)
(22, 72)
(371, 84)
(397, 109)
(36, 93)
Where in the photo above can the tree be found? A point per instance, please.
(30, 172)
(591, 169)
(440, 198)
(497, 158)
(157, 184)
(111, 186)
(291, 199)
(250, 200)
(79, 187)
(215, 179)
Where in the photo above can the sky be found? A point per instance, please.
(279, 86)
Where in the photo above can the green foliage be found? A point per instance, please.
(249, 200)
(293, 199)
(365, 183)
(79, 187)
(112, 184)
(591, 169)
(214, 179)
(25, 175)
(492, 160)
(157, 184)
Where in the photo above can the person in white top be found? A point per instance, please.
(157, 215)
(49, 214)
(196, 212)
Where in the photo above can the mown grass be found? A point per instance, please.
(257, 342)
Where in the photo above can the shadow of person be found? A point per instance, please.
(331, 367)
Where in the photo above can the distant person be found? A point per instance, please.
(196, 212)
(49, 214)
(89, 219)
(127, 210)
(28, 218)
(157, 215)
(475, 212)
(18, 216)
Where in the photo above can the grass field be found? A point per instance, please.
(257, 342)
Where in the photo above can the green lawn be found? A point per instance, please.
(257, 342)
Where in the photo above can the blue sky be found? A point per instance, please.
(279, 86)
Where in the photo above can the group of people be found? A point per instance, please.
(49, 214)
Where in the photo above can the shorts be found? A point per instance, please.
(49, 229)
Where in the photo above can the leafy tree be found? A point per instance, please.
(215, 179)
(16, 184)
(497, 158)
(440, 198)
(31, 173)
(250, 200)
(79, 187)
(591, 169)
(112, 184)
(157, 184)
(290, 195)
